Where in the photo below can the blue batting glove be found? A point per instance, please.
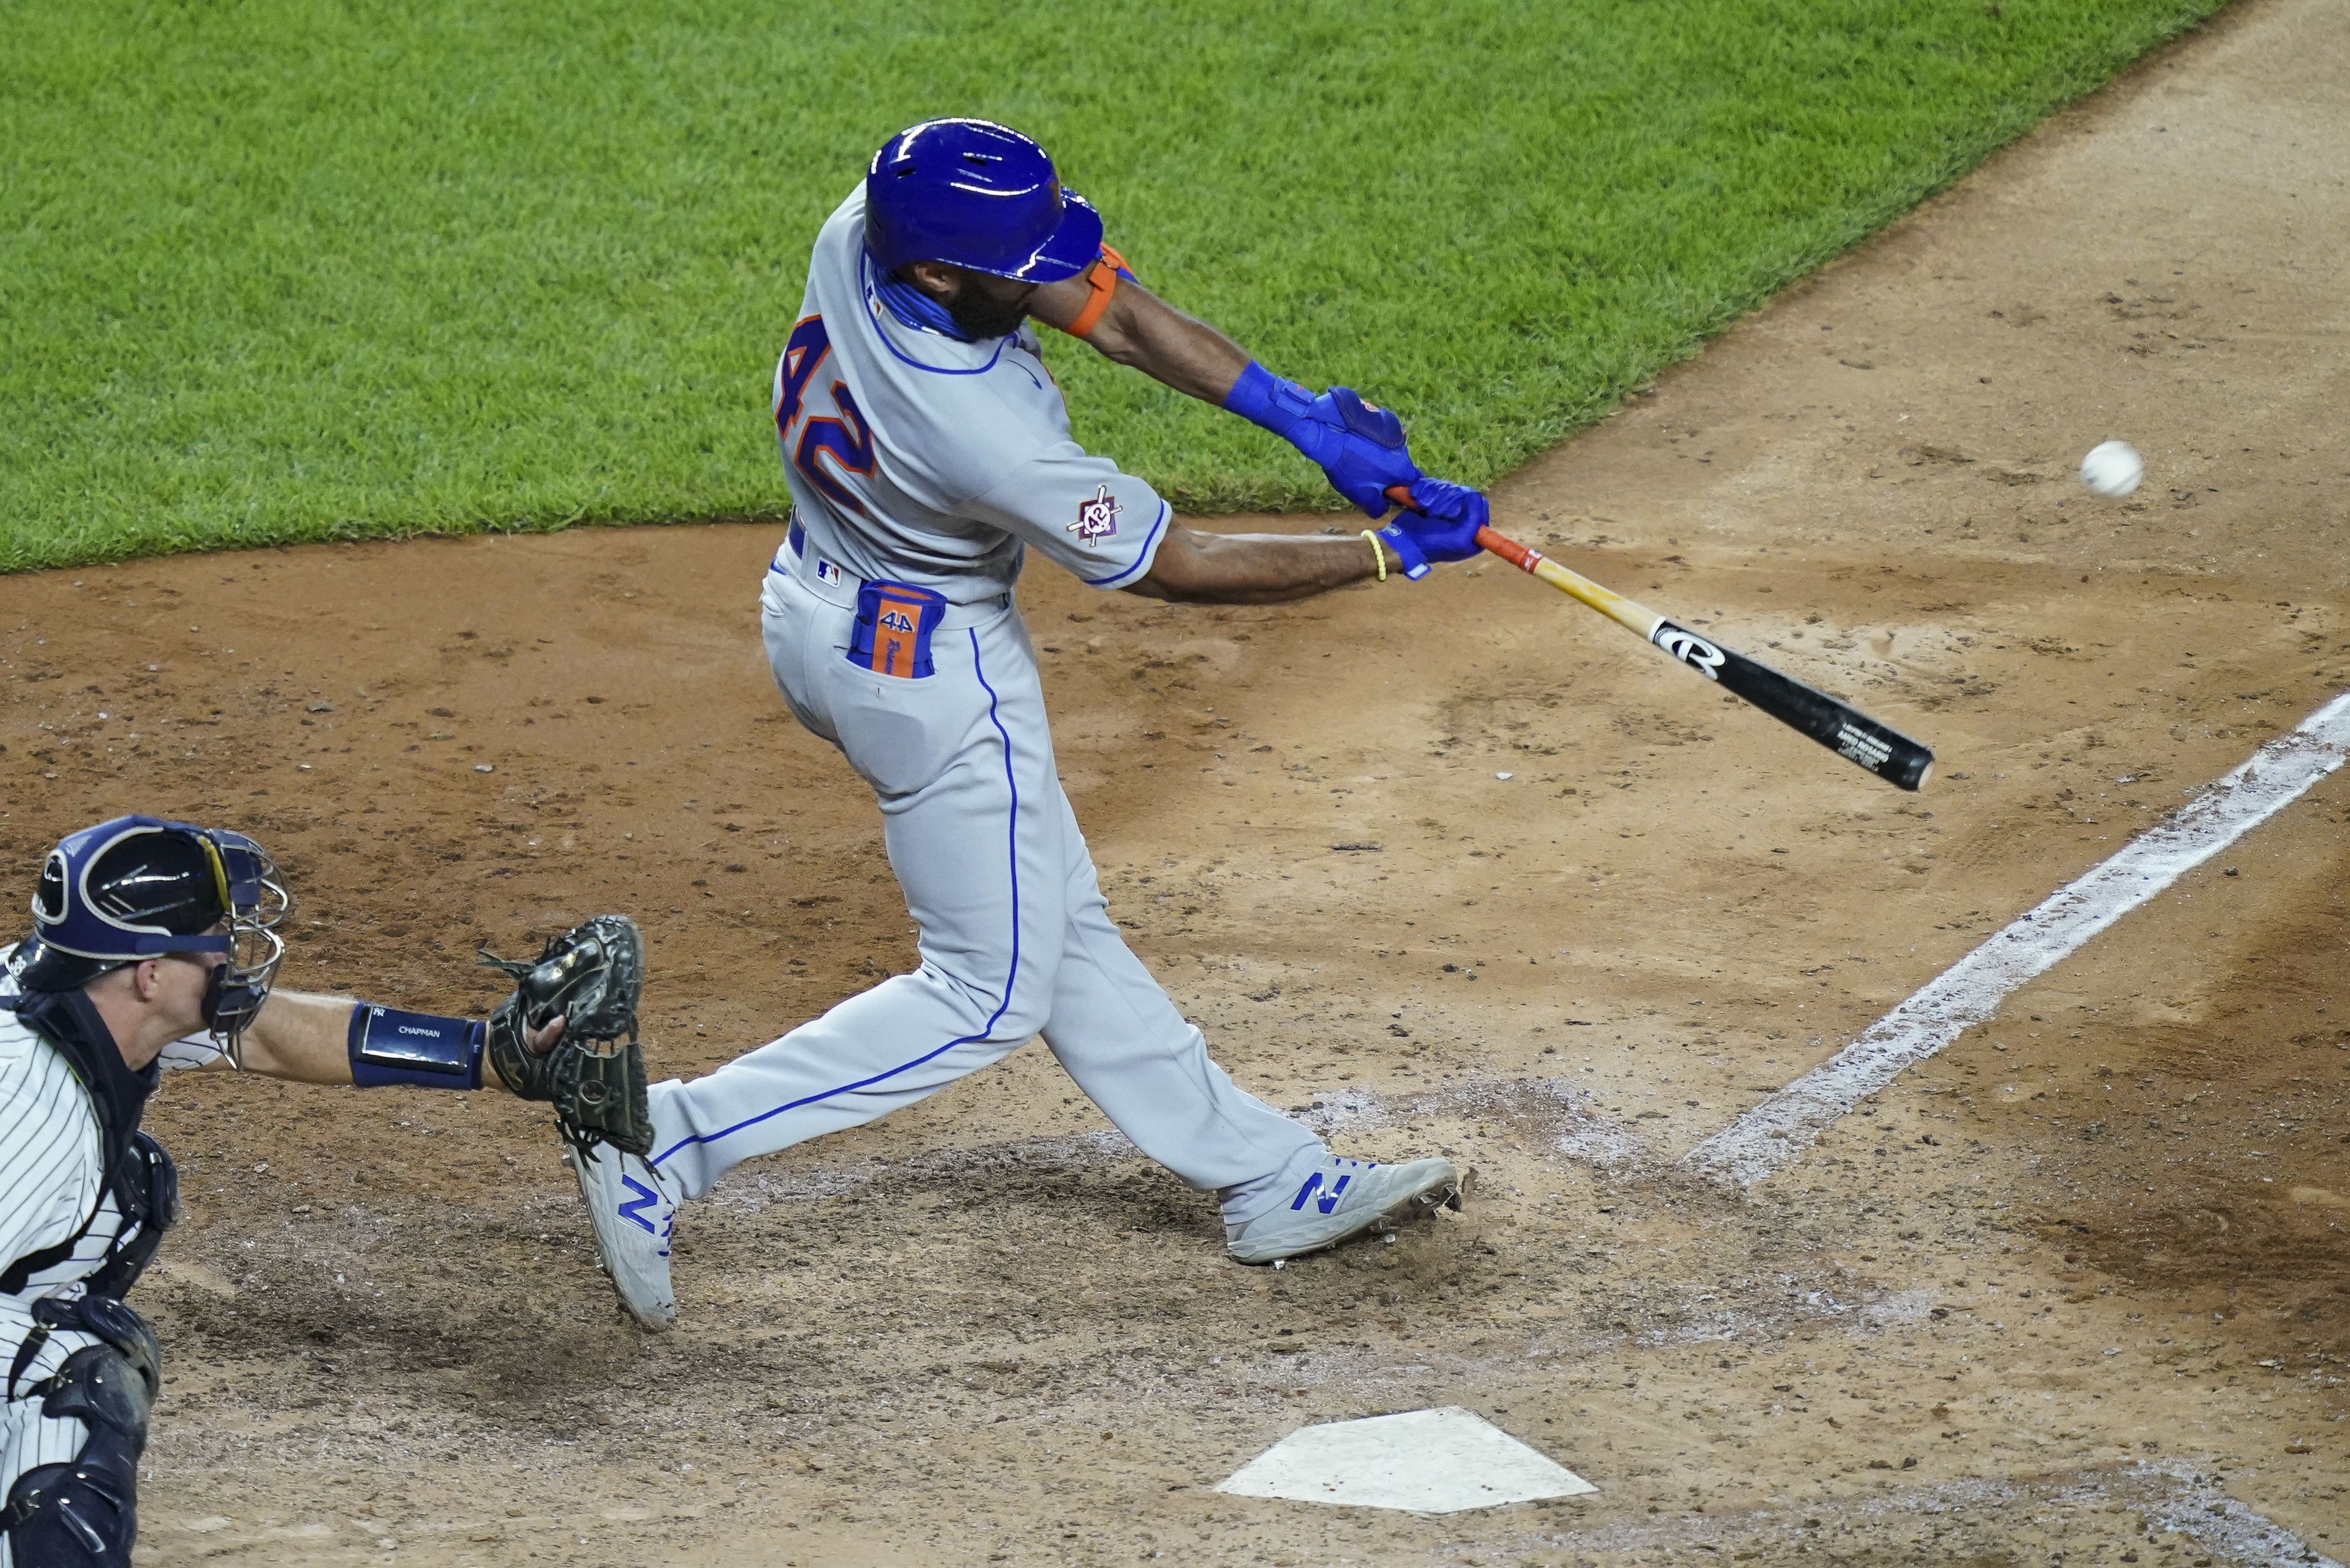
(1358, 445)
(1368, 453)
(1441, 525)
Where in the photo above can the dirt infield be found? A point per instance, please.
(1456, 866)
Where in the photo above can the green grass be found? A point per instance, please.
(274, 270)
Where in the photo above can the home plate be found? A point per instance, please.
(1429, 1461)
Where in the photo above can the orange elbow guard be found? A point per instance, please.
(1102, 278)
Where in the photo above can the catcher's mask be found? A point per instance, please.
(139, 887)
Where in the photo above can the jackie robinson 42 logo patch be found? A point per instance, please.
(1097, 517)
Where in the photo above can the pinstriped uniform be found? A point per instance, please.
(52, 1191)
(923, 468)
(52, 1187)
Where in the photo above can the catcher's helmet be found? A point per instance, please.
(139, 887)
(979, 195)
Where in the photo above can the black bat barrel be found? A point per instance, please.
(1840, 727)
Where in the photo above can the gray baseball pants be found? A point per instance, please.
(1016, 936)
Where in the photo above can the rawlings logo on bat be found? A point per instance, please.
(1689, 648)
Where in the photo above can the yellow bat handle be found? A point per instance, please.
(1629, 614)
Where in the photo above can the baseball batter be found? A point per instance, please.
(927, 453)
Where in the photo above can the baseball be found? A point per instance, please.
(2112, 469)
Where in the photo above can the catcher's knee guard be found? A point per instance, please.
(84, 1513)
(124, 1331)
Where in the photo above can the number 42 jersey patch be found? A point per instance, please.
(1096, 518)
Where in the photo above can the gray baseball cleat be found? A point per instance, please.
(1344, 1197)
(631, 1206)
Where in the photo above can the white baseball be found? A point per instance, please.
(2112, 469)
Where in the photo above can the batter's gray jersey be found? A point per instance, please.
(917, 458)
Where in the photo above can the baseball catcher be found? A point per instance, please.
(154, 946)
(929, 452)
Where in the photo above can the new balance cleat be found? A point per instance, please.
(631, 1206)
(1343, 1197)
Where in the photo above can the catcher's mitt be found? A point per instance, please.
(595, 1075)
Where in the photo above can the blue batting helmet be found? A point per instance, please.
(979, 195)
(139, 887)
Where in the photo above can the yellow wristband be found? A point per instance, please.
(1377, 554)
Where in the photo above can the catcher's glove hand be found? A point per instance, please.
(595, 1075)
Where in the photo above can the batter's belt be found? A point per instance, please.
(837, 585)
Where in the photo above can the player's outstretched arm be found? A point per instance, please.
(1357, 444)
(306, 1038)
(1196, 567)
(1139, 330)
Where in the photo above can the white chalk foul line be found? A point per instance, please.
(1775, 1132)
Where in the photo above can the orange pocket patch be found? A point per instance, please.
(894, 623)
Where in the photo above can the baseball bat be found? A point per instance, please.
(1839, 726)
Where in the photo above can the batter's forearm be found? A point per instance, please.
(1193, 568)
(1142, 331)
(1163, 343)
